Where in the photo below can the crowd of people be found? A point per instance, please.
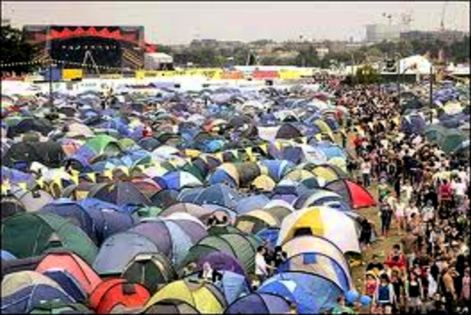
(424, 197)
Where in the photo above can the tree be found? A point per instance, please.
(367, 74)
(14, 48)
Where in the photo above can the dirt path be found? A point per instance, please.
(381, 246)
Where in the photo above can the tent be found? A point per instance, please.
(152, 270)
(115, 291)
(118, 250)
(451, 141)
(203, 297)
(256, 220)
(120, 193)
(24, 301)
(75, 213)
(312, 294)
(325, 171)
(68, 283)
(243, 247)
(172, 237)
(357, 196)
(74, 265)
(259, 303)
(171, 306)
(318, 245)
(10, 206)
(413, 124)
(263, 183)
(321, 221)
(231, 285)
(221, 261)
(218, 194)
(434, 133)
(29, 234)
(178, 180)
(48, 153)
(103, 144)
(321, 197)
(276, 169)
(190, 208)
(318, 264)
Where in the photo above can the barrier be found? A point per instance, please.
(71, 74)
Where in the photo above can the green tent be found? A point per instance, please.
(58, 307)
(31, 234)
(435, 133)
(152, 270)
(452, 139)
(149, 212)
(104, 144)
(240, 246)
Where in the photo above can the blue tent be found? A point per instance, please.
(413, 123)
(330, 150)
(311, 293)
(118, 250)
(218, 194)
(251, 203)
(277, 169)
(318, 264)
(69, 283)
(74, 212)
(6, 255)
(28, 298)
(220, 176)
(269, 235)
(259, 303)
(233, 285)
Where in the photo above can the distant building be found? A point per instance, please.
(376, 33)
(158, 61)
(321, 52)
(6, 22)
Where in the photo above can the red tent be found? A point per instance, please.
(75, 265)
(356, 195)
(117, 291)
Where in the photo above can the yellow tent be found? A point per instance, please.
(204, 297)
(326, 222)
(325, 129)
(264, 183)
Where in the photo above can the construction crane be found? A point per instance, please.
(406, 21)
(442, 21)
(389, 17)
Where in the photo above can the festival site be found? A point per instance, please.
(235, 158)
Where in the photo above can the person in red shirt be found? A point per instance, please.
(146, 132)
(396, 258)
(445, 193)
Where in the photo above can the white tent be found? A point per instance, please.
(415, 65)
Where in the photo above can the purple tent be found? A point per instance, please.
(173, 238)
(221, 261)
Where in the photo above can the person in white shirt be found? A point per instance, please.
(459, 189)
(261, 266)
(365, 168)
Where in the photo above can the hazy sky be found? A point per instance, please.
(180, 22)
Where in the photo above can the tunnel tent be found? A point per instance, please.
(31, 234)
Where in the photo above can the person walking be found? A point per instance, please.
(365, 168)
(384, 296)
(414, 294)
(386, 214)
